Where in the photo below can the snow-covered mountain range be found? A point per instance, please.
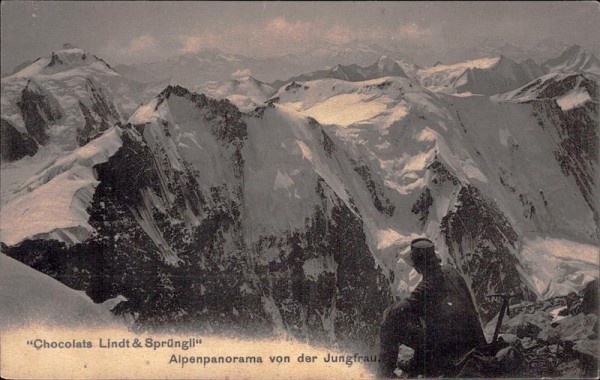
(539, 51)
(483, 76)
(195, 69)
(289, 207)
(211, 64)
(384, 67)
(246, 92)
(574, 58)
(75, 92)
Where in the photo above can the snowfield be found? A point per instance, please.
(559, 266)
(245, 92)
(54, 201)
(29, 297)
(573, 99)
(442, 76)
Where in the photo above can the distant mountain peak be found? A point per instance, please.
(245, 92)
(69, 46)
(574, 58)
(488, 76)
(387, 63)
(385, 66)
(574, 48)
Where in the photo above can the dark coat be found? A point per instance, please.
(438, 320)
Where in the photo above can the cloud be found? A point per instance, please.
(241, 73)
(283, 35)
(140, 44)
(338, 34)
(281, 28)
(191, 44)
(414, 31)
(195, 43)
(275, 35)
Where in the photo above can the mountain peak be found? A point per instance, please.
(65, 58)
(574, 58)
(504, 62)
(69, 56)
(574, 49)
(70, 49)
(67, 46)
(573, 52)
(386, 63)
(175, 90)
(504, 58)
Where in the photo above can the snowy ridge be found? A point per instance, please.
(566, 105)
(384, 67)
(440, 73)
(60, 105)
(273, 185)
(560, 266)
(81, 92)
(541, 88)
(246, 92)
(482, 76)
(574, 59)
(333, 101)
(56, 198)
(67, 58)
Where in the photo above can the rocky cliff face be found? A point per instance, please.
(566, 108)
(99, 115)
(482, 243)
(505, 75)
(172, 235)
(15, 145)
(574, 127)
(39, 110)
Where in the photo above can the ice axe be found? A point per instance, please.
(505, 309)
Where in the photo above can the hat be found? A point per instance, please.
(422, 250)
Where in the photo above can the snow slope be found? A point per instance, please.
(441, 75)
(560, 266)
(53, 202)
(384, 67)
(575, 58)
(29, 297)
(333, 101)
(68, 98)
(482, 76)
(557, 85)
(246, 92)
(57, 105)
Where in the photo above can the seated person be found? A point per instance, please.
(438, 320)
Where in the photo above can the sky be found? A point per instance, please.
(126, 32)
